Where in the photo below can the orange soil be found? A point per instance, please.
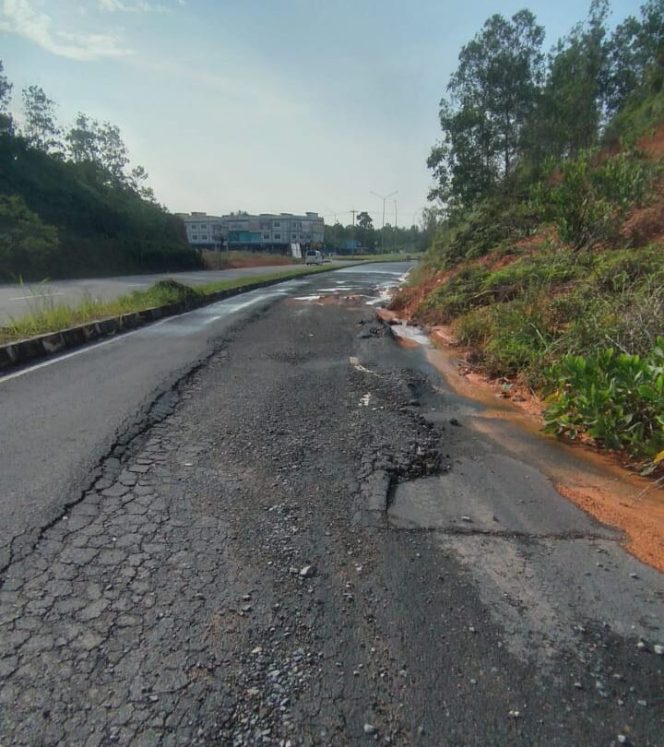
(642, 519)
(258, 262)
(387, 315)
(219, 261)
(653, 144)
(646, 224)
(523, 397)
(407, 300)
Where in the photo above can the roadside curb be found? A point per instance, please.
(23, 351)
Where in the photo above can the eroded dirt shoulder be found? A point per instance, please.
(235, 577)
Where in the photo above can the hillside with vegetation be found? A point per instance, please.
(547, 264)
(69, 203)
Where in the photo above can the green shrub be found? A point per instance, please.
(171, 291)
(615, 398)
(459, 294)
(520, 340)
(26, 243)
(588, 202)
(492, 223)
(613, 271)
(476, 327)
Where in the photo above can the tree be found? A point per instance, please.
(90, 141)
(137, 181)
(113, 153)
(635, 53)
(570, 110)
(41, 128)
(6, 121)
(430, 220)
(491, 96)
(364, 220)
(82, 141)
(626, 63)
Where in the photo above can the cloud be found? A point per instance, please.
(131, 6)
(20, 17)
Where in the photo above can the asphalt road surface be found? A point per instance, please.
(270, 524)
(17, 300)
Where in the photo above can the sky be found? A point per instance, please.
(263, 105)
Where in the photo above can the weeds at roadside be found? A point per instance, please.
(48, 316)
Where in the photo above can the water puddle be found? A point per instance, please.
(411, 334)
(339, 289)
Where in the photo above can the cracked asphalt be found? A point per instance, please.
(295, 545)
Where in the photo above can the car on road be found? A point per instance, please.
(313, 257)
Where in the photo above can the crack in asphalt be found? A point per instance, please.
(502, 533)
(162, 404)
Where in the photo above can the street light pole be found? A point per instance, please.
(382, 228)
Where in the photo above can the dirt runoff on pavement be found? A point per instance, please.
(595, 482)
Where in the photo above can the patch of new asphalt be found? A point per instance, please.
(258, 567)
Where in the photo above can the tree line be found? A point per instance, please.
(511, 110)
(363, 237)
(87, 141)
(70, 202)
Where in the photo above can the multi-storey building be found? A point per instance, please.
(203, 231)
(265, 231)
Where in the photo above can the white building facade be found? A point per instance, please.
(203, 231)
(270, 231)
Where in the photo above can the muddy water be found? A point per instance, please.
(591, 481)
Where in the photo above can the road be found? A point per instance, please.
(75, 408)
(271, 524)
(17, 300)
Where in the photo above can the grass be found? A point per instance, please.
(558, 320)
(48, 316)
(524, 317)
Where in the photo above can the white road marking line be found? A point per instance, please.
(124, 336)
(37, 295)
(61, 358)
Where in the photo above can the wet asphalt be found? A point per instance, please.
(303, 540)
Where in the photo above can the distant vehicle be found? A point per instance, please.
(313, 258)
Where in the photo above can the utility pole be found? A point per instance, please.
(382, 228)
(394, 244)
(353, 211)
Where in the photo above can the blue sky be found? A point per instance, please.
(262, 105)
